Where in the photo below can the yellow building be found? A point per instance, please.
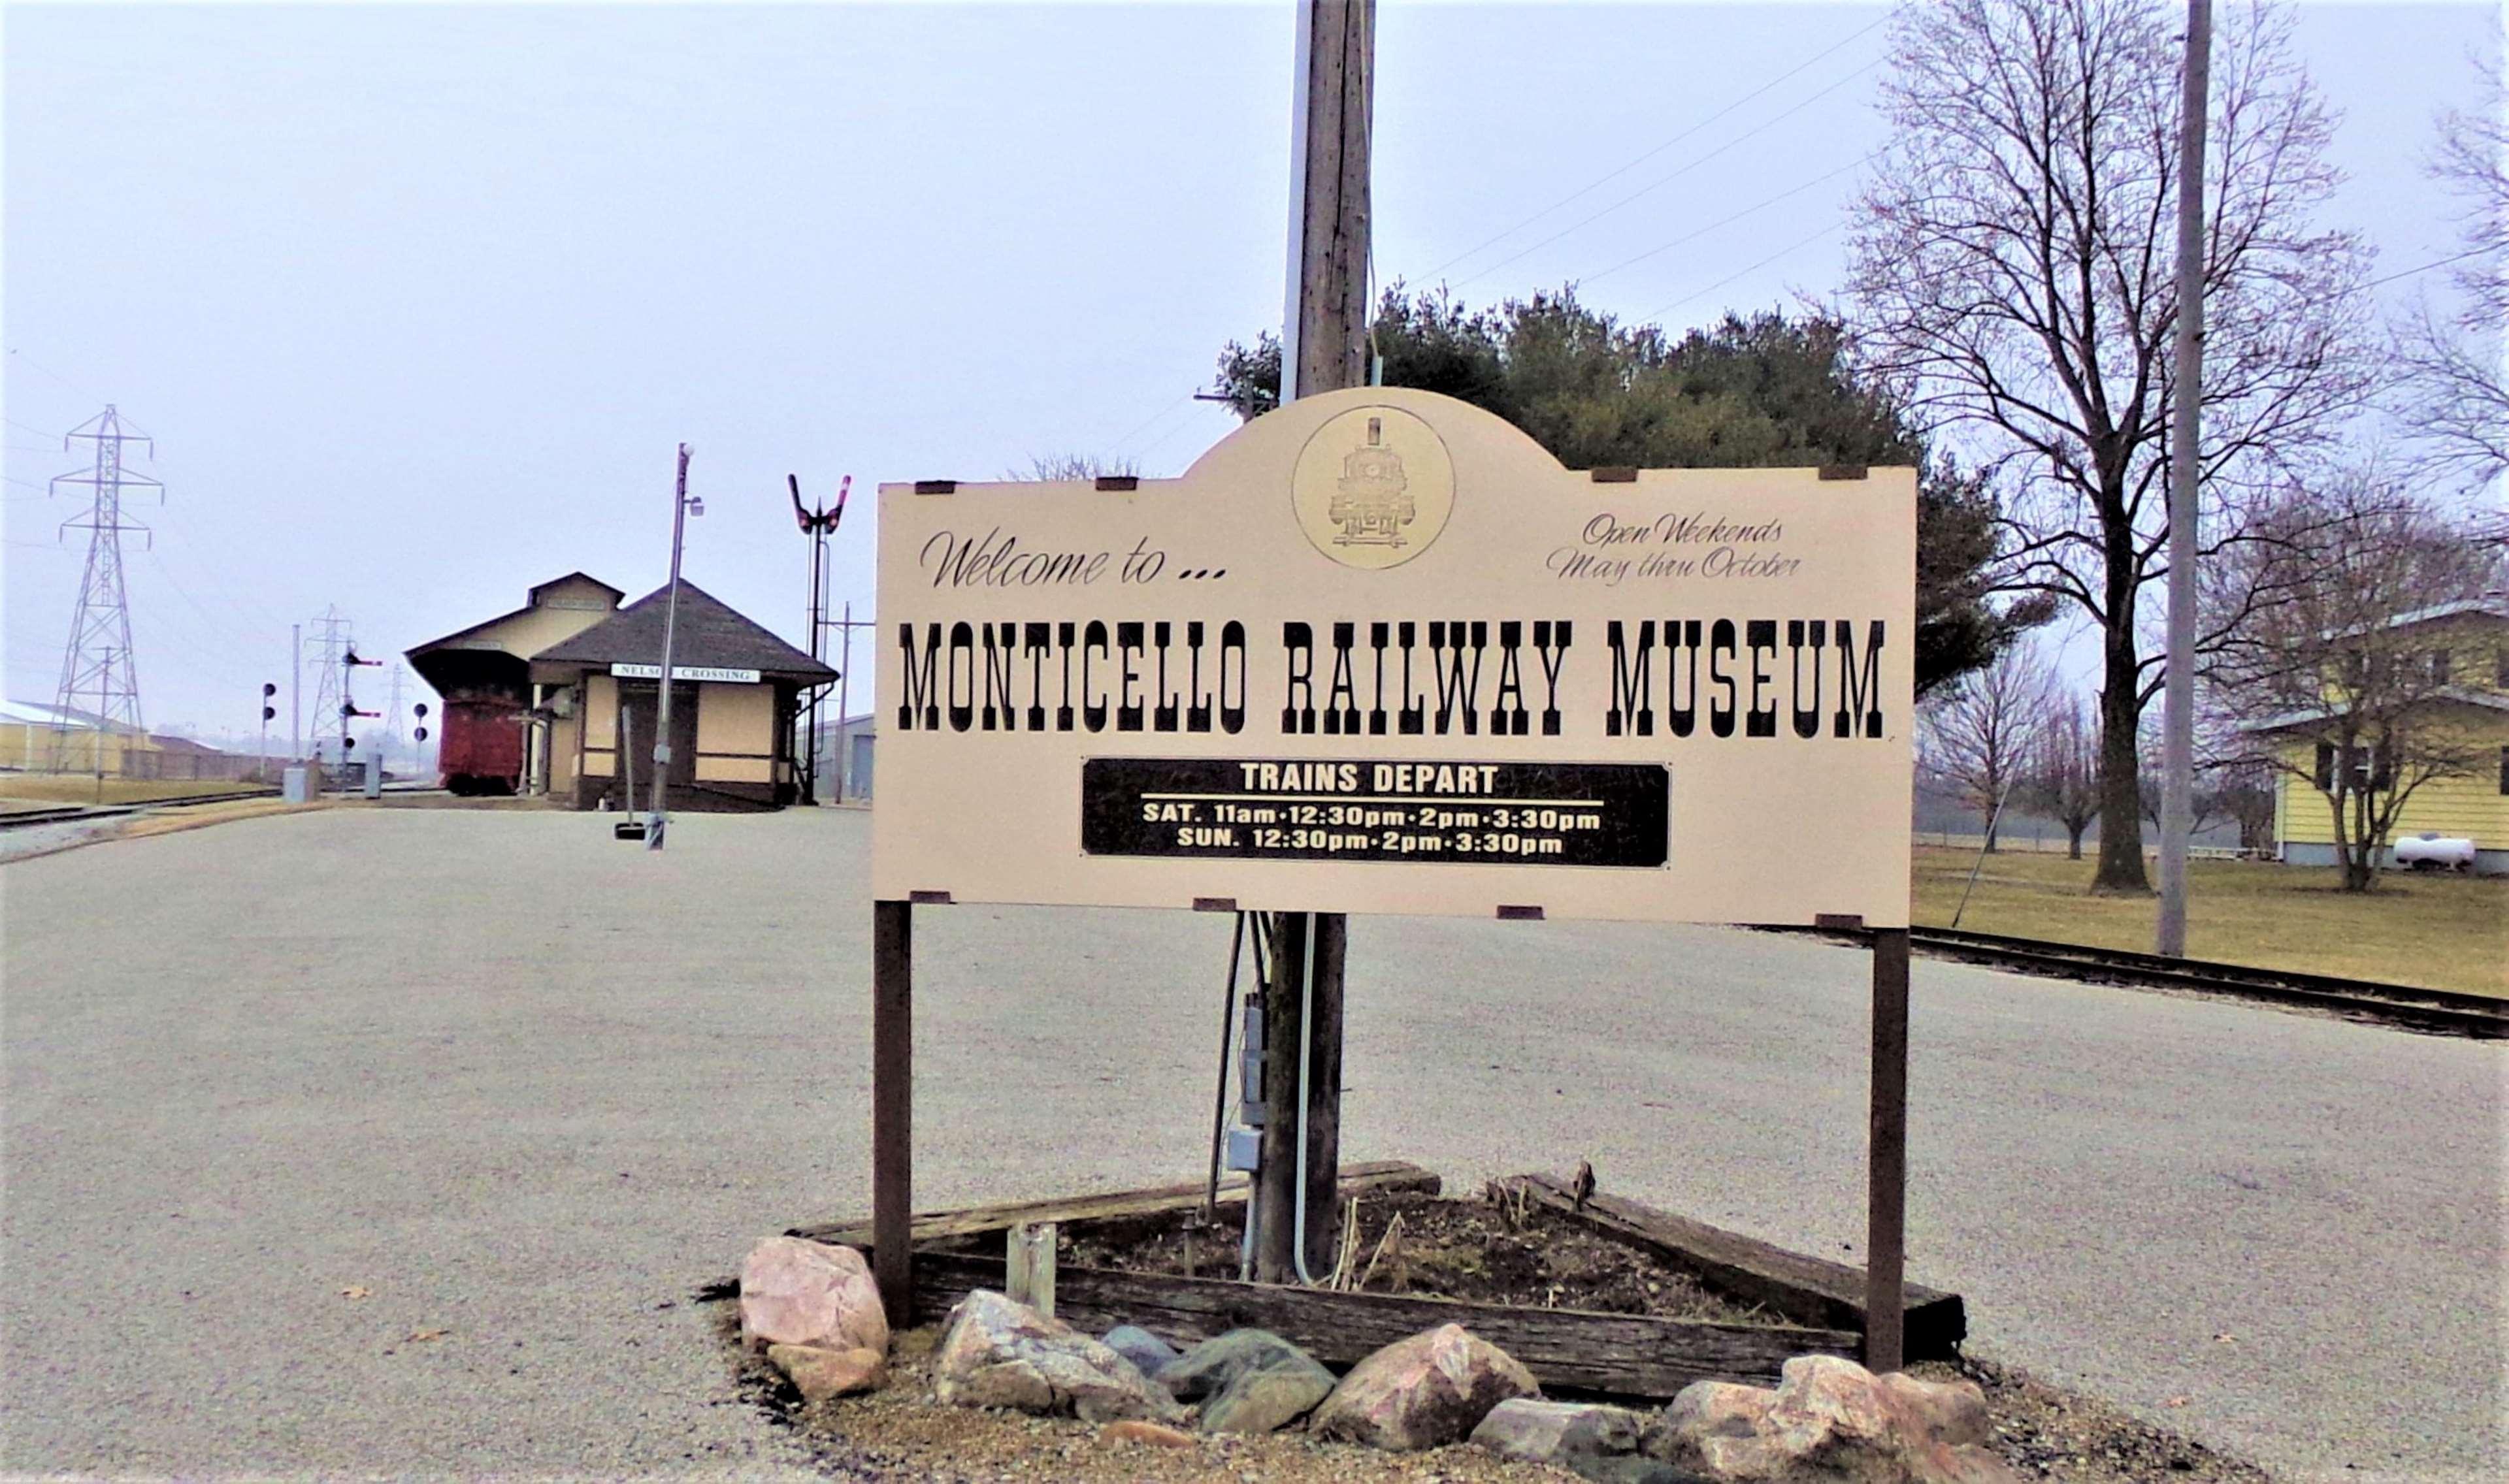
(735, 691)
(2467, 645)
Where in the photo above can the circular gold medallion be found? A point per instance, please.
(1374, 486)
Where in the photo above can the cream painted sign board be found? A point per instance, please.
(1377, 652)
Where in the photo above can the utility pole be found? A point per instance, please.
(1324, 348)
(295, 693)
(846, 626)
(682, 508)
(100, 624)
(2178, 693)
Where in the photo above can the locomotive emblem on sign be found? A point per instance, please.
(1374, 486)
(1371, 503)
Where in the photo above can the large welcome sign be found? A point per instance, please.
(1380, 651)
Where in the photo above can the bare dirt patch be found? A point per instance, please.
(1487, 1251)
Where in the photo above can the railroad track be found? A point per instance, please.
(2441, 1012)
(69, 813)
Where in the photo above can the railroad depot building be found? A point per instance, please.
(538, 701)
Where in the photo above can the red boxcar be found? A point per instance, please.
(482, 749)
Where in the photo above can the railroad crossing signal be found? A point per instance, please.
(269, 688)
(419, 733)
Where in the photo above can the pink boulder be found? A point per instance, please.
(1831, 1419)
(1426, 1392)
(796, 1292)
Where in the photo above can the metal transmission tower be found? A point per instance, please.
(98, 676)
(391, 739)
(331, 645)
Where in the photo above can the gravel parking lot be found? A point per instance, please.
(394, 1141)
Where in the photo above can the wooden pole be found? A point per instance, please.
(2178, 696)
(1276, 1175)
(1323, 349)
(1887, 1190)
(892, 1107)
(1324, 1092)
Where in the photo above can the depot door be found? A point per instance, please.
(643, 703)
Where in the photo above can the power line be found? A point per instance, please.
(1676, 174)
(1727, 221)
(1657, 314)
(2460, 257)
(19, 356)
(1618, 172)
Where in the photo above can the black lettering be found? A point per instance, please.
(1413, 719)
(1163, 717)
(962, 663)
(1630, 711)
(1448, 664)
(999, 654)
(1232, 642)
(919, 692)
(1551, 659)
(1807, 698)
(1127, 648)
(1680, 655)
(1506, 719)
(1720, 646)
(1093, 703)
(1860, 693)
(1039, 638)
(1341, 698)
(1298, 641)
(1761, 634)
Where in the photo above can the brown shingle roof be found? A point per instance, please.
(710, 634)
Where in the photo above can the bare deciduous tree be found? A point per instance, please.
(2061, 777)
(2450, 397)
(2012, 269)
(2346, 684)
(1980, 737)
(1073, 466)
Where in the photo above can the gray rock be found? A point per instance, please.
(1001, 1353)
(1207, 1370)
(1626, 1469)
(1249, 1381)
(1269, 1397)
(1558, 1432)
(1144, 1349)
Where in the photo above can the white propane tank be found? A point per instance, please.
(2432, 852)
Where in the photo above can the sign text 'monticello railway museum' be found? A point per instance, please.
(1378, 652)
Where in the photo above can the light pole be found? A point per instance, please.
(682, 508)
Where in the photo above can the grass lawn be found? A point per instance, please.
(63, 787)
(2445, 932)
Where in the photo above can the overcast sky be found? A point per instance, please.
(417, 301)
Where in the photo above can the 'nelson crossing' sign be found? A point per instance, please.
(1377, 652)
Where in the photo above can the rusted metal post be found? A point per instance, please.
(1887, 1192)
(892, 1107)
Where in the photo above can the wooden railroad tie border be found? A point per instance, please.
(1634, 1356)
(1805, 1290)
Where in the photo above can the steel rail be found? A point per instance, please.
(2408, 1006)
